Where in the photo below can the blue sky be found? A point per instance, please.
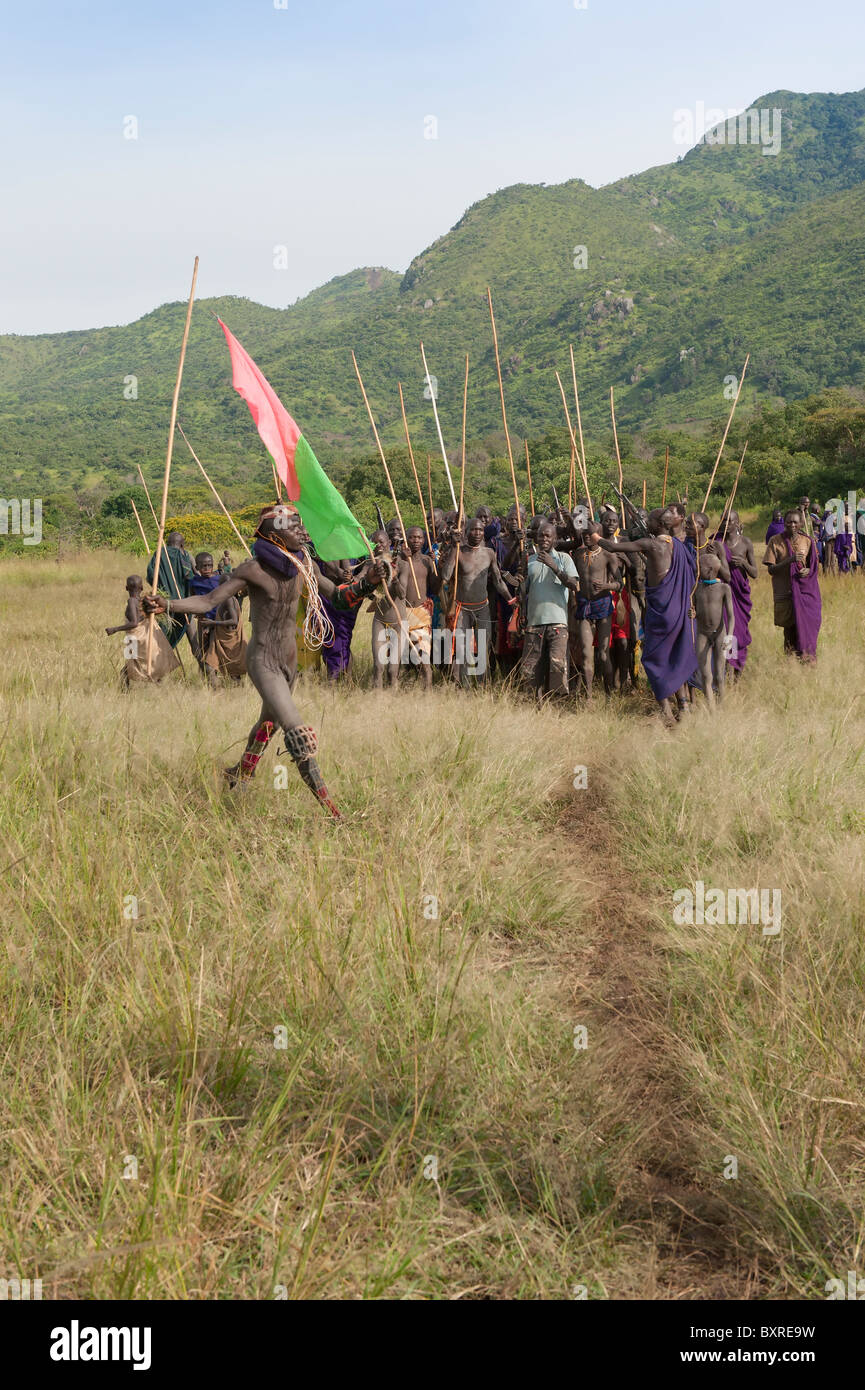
(303, 127)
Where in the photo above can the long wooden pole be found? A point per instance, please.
(504, 414)
(726, 432)
(386, 471)
(416, 478)
(169, 451)
(147, 494)
(141, 529)
(438, 427)
(429, 487)
(177, 593)
(583, 470)
(666, 471)
(573, 441)
(729, 507)
(644, 494)
(529, 472)
(463, 460)
(618, 455)
(227, 513)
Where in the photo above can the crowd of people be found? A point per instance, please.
(558, 605)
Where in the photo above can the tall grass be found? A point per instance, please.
(340, 1059)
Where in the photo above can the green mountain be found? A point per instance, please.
(689, 266)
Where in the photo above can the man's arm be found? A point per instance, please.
(643, 546)
(570, 581)
(354, 591)
(749, 564)
(198, 604)
(498, 583)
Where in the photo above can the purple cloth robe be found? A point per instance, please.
(807, 604)
(337, 656)
(669, 654)
(740, 590)
(843, 550)
(774, 529)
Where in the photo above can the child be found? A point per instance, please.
(136, 625)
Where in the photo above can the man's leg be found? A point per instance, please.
(587, 654)
(556, 638)
(531, 663)
(704, 661)
(604, 628)
(278, 708)
(260, 735)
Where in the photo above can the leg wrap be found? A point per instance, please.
(255, 750)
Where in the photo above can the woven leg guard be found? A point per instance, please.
(301, 743)
(255, 749)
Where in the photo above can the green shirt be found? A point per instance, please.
(547, 596)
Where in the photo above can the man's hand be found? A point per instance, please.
(545, 559)
(152, 603)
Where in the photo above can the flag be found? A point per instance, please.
(335, 533)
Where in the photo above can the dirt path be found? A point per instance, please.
(694, 1228)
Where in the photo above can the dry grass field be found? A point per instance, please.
(346, 1061)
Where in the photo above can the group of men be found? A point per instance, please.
(555, 604)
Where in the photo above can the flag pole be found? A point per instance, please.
(416, 478)
(169, 451)
(726, 431)
(228, 515)
(438, 427)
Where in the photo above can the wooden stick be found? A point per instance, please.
(504, 415)
(141, 529)
(529, 472)
(416, 478)
(167, 475)
(463, 464)
(147, 494)
(726, 432)
(177, 593)
(666, 471)
(429, 487)
(439, 428)
(571, 478)
(729, 507)
(644, 494)
(579, 422)
(618, 455)
(386, 472)
(228, 515)
(573, 441)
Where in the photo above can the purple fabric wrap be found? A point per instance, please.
(740, 589)
(337, 655)
(669, 655)
(844, 550)
(807, 604)
(774, 529)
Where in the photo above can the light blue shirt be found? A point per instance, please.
(547, 596)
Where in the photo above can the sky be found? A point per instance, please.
(286, 143)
